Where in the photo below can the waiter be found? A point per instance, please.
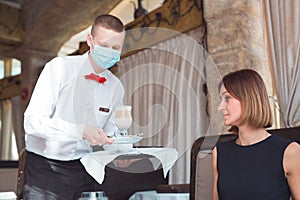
(71, 109)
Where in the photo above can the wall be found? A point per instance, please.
(236, 40)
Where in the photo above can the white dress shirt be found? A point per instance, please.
(63, 102)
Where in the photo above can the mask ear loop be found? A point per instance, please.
(92, 41)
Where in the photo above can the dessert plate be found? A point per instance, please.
(127, 139)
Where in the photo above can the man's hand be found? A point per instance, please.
(96, 136)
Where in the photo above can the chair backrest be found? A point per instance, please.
(201, 180)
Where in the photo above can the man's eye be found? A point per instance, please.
(116, 48)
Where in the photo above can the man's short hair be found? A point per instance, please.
(109, 22)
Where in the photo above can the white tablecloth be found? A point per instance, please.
(95, 162)
(153, 195)
(8, 196)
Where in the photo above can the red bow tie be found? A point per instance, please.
(95, 77)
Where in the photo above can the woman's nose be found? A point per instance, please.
(221, 106)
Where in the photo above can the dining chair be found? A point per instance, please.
(201, 180)
(20, 176)
(201, 176)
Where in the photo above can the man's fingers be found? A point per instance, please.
(106, 140)
(110, 141)
(101, 131)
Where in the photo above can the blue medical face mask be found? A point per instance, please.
(105, 57)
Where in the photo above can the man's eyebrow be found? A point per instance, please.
(103, 42)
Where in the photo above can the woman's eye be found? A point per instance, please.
(227, 98)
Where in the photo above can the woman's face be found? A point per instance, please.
(230, 107)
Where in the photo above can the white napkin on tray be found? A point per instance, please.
(95, 162)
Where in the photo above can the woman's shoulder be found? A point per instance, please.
(291, 159)
(293, 150)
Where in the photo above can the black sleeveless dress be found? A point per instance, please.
(253, 172)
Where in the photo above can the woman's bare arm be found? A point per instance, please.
(291, 164)
(215, 172)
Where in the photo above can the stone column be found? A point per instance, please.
(236, 40)
(5, 138)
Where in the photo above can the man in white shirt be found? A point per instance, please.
(72, 109)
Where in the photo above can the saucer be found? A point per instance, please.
(126, 139)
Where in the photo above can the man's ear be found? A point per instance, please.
(89, 40)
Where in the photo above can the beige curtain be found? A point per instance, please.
(283, 25)
(6, 130)
(164, 84)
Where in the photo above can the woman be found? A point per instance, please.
(256, 165)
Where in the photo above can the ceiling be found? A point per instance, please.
(53, 27)
(13, 3)
(44, 25)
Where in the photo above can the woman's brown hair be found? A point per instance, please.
(248, 87)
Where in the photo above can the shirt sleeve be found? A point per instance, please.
(38, 117)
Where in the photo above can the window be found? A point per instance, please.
(1, 69)
(8, 145)
(10, 67)
(15, 67)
